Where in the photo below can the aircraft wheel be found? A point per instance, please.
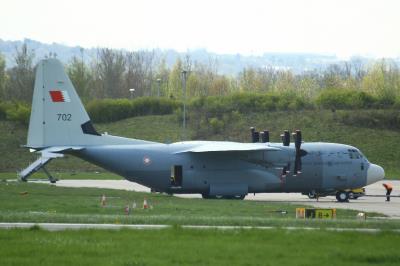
(239, 197)
(342, 196)
(208, 196)
(311, 195)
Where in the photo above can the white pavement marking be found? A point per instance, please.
(67, 226)
(365, 204)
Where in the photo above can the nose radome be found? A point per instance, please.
(375, 173)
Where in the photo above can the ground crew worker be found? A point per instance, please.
(389, 189)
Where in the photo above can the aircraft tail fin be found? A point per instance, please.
(58, 116)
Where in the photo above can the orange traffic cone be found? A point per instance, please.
(145, 204)
(103, 200)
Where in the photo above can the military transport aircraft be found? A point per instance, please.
(60, 125)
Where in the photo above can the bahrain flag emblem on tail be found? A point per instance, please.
(59, 96)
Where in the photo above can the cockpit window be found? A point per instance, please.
(354, 154)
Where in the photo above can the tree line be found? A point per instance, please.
(120, 74)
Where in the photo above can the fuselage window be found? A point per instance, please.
(354, 154)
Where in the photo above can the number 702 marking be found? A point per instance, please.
(64, 117)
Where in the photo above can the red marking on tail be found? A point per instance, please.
(56, 96)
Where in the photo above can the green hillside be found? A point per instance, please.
(381, 146)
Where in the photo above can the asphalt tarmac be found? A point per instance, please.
(374, 201)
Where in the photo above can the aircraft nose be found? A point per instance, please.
(375, 173)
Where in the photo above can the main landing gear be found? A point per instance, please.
(342, 196)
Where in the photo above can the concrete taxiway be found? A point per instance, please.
(375, 202)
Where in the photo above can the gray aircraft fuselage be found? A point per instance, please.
(326, 167)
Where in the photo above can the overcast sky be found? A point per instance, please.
(341, 27)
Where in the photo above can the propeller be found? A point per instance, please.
(264, 136)
(255, 135)
(285, 138)
(299, 152)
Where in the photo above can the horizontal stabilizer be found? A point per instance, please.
(59, 149)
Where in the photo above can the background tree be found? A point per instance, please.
(307, 86)
(175, 80)
(285, 81)
(163, 73)
(139, 73)
(266, 79)
(3, 76)
(20, 85)
(109, 72)
(248, 80)
(220, 86)
(358, 70)
(199, 80)
(382, 81)
(81, 77)
(332, 77)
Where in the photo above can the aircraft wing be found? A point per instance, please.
(228, 147)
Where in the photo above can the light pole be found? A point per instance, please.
(132, 91)
(184, 72)
(158, 88)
